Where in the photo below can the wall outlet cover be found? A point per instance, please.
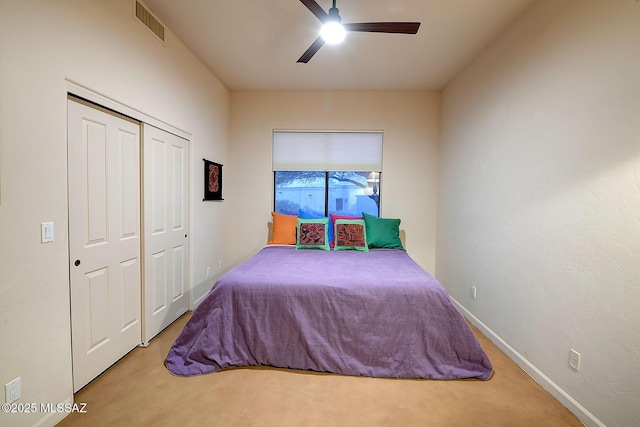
(12, 391)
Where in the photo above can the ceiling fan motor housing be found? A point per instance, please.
(334, 15)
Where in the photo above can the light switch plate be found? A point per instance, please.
(574, 360)
(46, 232)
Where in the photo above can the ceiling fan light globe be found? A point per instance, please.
(333, 32)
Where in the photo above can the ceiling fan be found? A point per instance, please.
(333, 30)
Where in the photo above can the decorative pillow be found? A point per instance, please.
(350, 234)
(334, 217)
(315, 215)
(284, 229)
(313, 234)
(382, 232)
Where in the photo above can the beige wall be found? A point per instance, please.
(97, 44)
(539, 200)
(410, 121)
(536, 182)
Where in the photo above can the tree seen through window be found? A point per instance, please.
(320, 193)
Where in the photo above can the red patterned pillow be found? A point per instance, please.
(335, 217)
(350, 234)
(312, 234)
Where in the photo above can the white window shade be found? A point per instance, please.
(322, 151)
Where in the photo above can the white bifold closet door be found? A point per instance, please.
(166, 224)
(104, 239)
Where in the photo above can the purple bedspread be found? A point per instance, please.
(375, 313)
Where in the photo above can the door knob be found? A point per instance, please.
(77, 263)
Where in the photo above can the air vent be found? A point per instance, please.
(149, 21)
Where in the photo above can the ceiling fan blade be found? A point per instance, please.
(315, 46)
(384, 27)
(315, 9)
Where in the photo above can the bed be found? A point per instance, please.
(375, 313)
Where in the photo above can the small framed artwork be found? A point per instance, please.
(212, 180)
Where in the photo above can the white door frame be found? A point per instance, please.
(97, 98)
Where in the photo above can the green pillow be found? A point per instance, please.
(382, 232)
(313, 234)
(350, 234)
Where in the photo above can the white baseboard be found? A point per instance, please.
(208, 285)
(586, 417)
(52, 418)
(197, 302)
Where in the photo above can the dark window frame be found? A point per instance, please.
(376, 198)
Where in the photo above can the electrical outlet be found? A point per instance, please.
(574, 360)
(220, 265)
(474, 292)
(12, 391)
(208, 271)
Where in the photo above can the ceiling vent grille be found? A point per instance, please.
(149, 21)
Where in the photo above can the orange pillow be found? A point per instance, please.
(284, 229)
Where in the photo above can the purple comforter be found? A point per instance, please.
(375, 313)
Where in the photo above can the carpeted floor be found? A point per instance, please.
(139, 391)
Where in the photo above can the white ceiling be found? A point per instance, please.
(254, 44)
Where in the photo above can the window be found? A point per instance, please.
(322, 193)
(295, 190)
(351, 193)
(327, 172)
